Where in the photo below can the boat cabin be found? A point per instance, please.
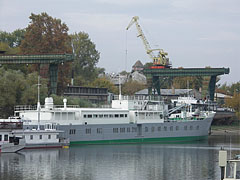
(34, 136)
(232, 170)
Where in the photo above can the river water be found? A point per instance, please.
(191, 161)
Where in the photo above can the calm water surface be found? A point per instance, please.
(192, 161)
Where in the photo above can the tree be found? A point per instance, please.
(234, 103)
(45, 34)
(10, 43)
(12, 39)
(29, 95)
(17, 88)
(104, 83)
(11, 87)
(229, 89)
(86, 56)
(193, 82)
(131, 87)
(58, 100)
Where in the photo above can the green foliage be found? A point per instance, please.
(131, 87)
(86, 56)
(12, 39)
(4, 46)
(234, 103)
(17, 88)
(58, 100)
(29, 95)
(79, 81)
(10, 43)
(232, 90)
(229, 89)
(104, 83)
(100, 71)
(184, 82)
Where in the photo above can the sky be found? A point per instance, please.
(195, 33)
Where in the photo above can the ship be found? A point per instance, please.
(130, 119)
(13, 136)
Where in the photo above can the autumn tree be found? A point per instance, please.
(45, 34)
(131, 87)
(48, 35)
(86, 56)
(234, 103)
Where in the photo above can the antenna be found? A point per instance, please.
(120, 92)
(38, 103)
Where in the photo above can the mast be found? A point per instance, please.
(38, 103)
(120, 89)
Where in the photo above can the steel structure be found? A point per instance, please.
(52, 59)
(153, 76)
(161, 58)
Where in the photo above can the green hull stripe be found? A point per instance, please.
(142, 140)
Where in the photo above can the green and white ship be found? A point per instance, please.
(129, 120)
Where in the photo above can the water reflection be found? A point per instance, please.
(141, 161)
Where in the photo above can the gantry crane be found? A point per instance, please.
(160, 60)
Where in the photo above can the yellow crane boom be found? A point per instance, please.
(160, 59)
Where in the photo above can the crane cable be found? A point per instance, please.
(126, 52)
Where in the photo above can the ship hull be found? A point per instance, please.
(167, 132)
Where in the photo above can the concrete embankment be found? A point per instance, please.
(225, 130)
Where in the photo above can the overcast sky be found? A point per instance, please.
(195, 33)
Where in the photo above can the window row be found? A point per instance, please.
(72, 131)
(134, 129)
(123, 130)
(41, 136)
(105, 115)
(3, 137)
(171, 128)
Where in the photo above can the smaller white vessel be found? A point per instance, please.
(41, 138)
(9, 143)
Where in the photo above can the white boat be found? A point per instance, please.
(129, 120)
(9, 144)
(45, 138)
(14, 138)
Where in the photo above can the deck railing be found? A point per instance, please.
(34, 107)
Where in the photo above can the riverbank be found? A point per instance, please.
(225, 130)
